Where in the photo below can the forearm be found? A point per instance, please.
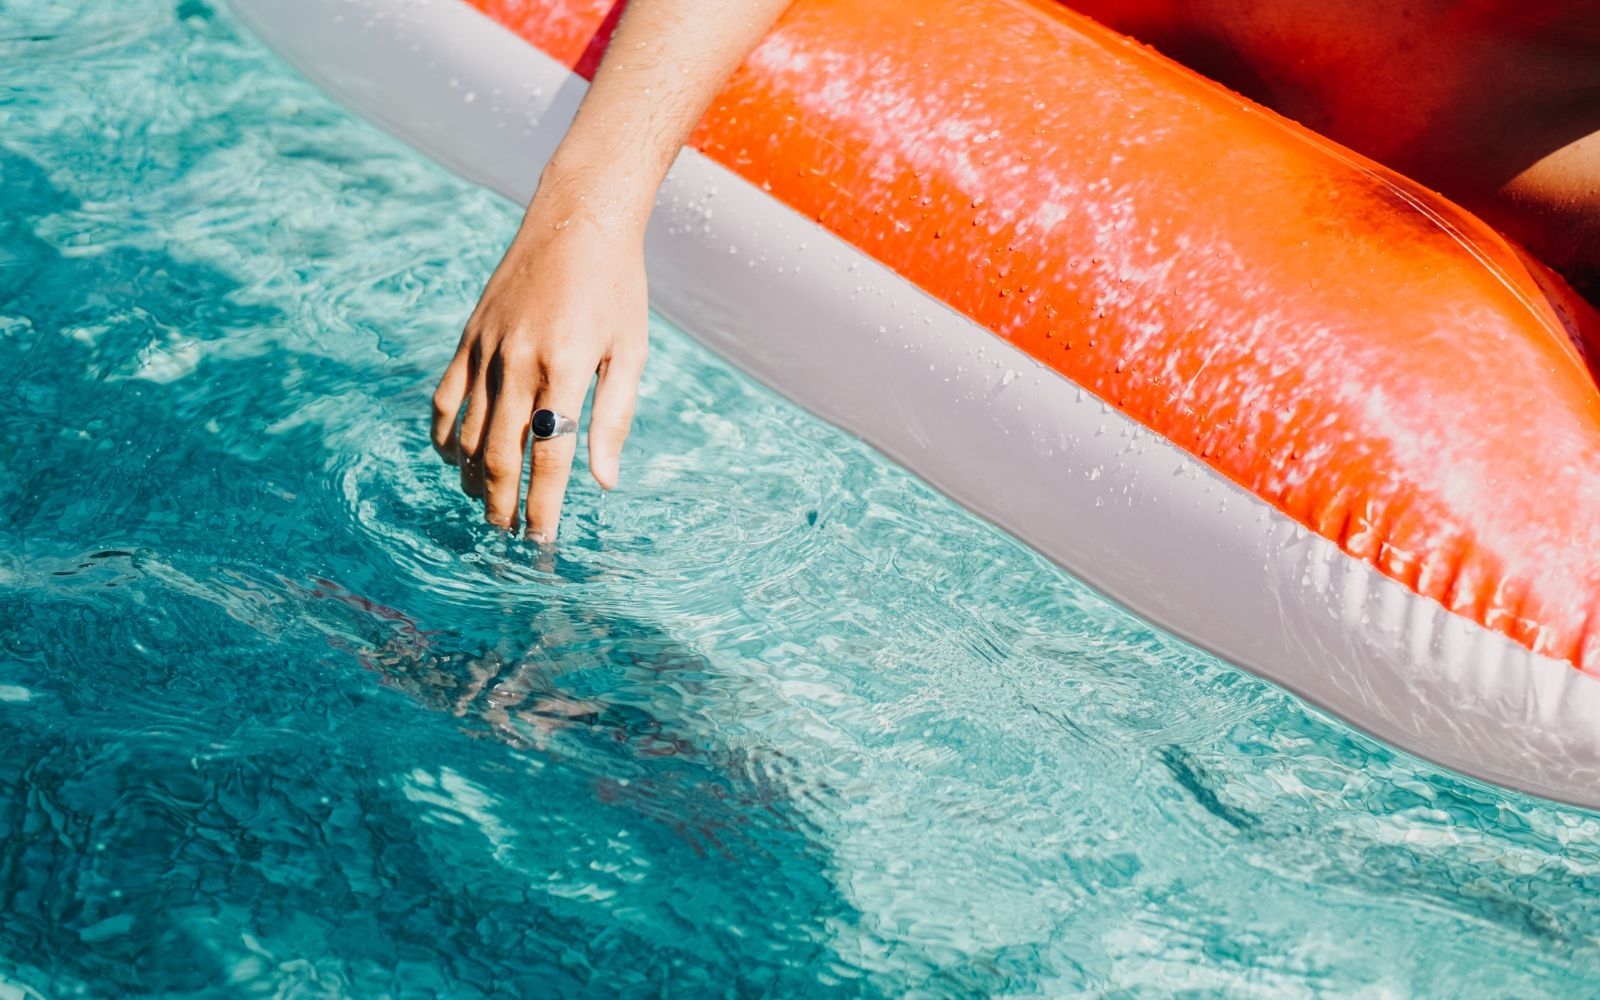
(665, 63)
(568, 301)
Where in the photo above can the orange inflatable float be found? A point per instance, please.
(1273, 396)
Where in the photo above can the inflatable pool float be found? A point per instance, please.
(1267, 394)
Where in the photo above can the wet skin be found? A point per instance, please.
(1495, 104)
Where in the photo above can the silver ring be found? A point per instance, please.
(548, 424)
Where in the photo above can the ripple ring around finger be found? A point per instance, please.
(548, 424)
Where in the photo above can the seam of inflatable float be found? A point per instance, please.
(1138, 518)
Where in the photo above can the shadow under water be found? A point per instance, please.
(279, 715)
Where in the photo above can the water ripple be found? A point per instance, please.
(284, 716)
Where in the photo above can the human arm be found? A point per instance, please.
(567, 302)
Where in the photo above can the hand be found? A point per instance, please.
(566, 303)
(568, 300)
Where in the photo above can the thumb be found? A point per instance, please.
(612, 416)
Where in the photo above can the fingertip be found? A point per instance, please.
(611, 418)
(443, 436)
(606, 472)
(540, 533)
(498, 520)
(472, 477)
(449, 450)
(495, 509)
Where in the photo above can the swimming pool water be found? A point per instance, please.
(281, 716)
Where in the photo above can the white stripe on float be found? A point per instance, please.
(850, 340)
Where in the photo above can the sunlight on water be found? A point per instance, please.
(282, 717)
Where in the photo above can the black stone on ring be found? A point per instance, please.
(549, 424)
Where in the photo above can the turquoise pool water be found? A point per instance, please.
(282, 717)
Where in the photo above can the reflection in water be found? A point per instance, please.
(201, 793)
(639, 754)
(300, 830)
(283, 717)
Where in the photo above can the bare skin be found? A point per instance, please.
(567, 302)
(1496, 104)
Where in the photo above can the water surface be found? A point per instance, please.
(281, 716)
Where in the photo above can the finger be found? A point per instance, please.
(447, 399)
(480, 393)
(505, 444)
(611, 416)
(552, 458)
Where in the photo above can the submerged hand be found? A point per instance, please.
(568, 300)
(566, 303)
